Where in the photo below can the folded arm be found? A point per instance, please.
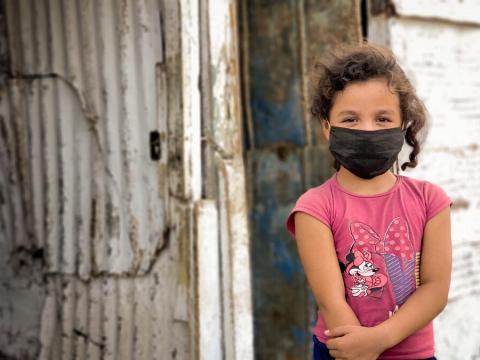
(428, 300)
(318, 256)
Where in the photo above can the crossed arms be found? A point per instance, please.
(348, 339)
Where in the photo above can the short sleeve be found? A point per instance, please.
(313, 203)
(436, 199)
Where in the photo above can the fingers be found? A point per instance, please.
(334, 354)
(332, 344)
(334, 350)
(339, 331)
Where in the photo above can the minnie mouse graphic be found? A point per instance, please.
(373, 261)
(364, 273)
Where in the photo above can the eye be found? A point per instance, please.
(384, 119)
(346, 120)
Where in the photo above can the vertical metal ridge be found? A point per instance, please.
(34, 37)
(66, 111)
(115, 186)
(8, 220)
(69, 155)
(110, 326)
(58, 37)
(145, 318)
(6, 213)
(67, 317)
(49, 49)
(84, 153)
(40, 239)
(51, 178)
(97, 233)
(14, 37)
(121, 244)
(138, 42)
(80, 333)
(33, 119)
(90, 95)
(26, 34)
(134, 128)
(126, 316)
(40, 36)
(95, 347)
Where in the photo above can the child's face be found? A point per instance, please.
(365, 105)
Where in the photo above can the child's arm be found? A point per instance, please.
(431, 296)
(317, 253)
(428, 300)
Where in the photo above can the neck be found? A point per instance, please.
(357, 185)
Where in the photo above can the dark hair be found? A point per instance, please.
(360, 63)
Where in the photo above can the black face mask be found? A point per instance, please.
(366, 153)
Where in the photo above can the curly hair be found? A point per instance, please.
(360, 63)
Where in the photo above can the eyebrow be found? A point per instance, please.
(381, 111)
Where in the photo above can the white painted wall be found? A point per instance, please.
(438, 44)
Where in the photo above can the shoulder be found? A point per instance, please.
(316, 202)
(414, 182)
(433, 197)
(320, 192)
(424, 187)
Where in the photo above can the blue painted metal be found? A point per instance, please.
(284, 306)
(274, 60)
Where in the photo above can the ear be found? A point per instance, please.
(325, 128)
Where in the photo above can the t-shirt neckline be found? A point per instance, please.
(389, 191)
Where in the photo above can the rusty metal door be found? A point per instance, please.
(284, 156)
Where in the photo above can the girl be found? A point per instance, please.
(375, 245)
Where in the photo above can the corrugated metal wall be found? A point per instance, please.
(83, 90)
(116, 241)
(84, 199)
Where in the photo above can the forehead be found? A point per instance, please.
(366, 95)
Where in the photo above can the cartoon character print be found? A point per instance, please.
(371, 257)
(364, 273)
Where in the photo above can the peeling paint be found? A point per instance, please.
(282, 39)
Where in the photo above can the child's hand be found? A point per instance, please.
(354, 342)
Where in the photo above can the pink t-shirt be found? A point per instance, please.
(378, 241)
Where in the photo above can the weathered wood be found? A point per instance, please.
(225, 151)
(208, 281)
